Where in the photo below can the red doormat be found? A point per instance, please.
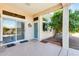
(44, 41)
(52, 41)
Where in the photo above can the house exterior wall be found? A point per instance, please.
(28, 30)
(44, 34)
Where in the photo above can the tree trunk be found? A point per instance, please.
(55, 33)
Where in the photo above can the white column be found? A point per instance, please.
(1, 30)
(65, 28)
(40, 28)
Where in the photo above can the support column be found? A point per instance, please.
(65, 28)
(1, 31)
(40, 28)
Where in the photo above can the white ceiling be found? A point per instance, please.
(32, 8)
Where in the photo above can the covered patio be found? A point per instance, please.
(31, 17)
(36, 48)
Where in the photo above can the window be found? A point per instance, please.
(45, 27)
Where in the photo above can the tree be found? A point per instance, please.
(56, 21)
(73, 21)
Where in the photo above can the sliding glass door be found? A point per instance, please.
(9, 30)
(12, 30)
(20, 31)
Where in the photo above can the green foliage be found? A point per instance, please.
(44, 19)
(74, 21)
(56, 21)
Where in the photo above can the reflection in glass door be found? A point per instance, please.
(36, 30)
(20, 31)
(9, 30)
(13, 30)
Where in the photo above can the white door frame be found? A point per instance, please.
(16, 19)
(38, 29)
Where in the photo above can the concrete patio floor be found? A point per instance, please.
(36, 48)
(74, 42)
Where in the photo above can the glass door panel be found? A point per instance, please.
(20, 31)
(36, 30)
(9, 30)
(0, 32)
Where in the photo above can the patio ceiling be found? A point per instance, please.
(34, 9)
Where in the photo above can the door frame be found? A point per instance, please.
(16, 19)
(38, 29)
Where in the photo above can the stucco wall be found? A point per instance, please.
(44, 34)
(29, 30)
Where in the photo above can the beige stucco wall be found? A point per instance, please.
(44, 34)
